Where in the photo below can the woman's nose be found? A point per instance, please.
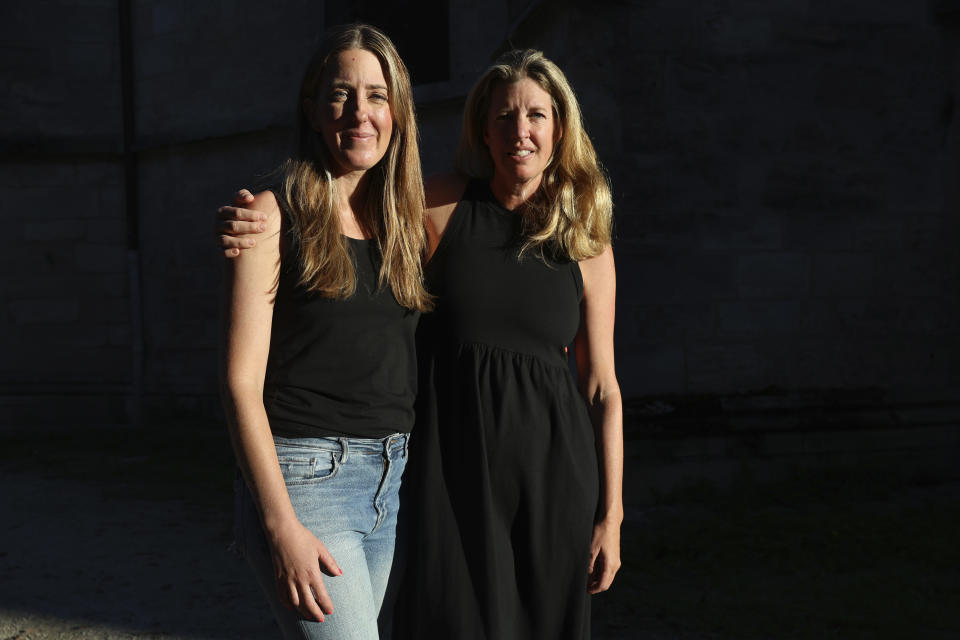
(520, 128)
(361, 110)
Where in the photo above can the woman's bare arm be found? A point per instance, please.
(251, 285)
(598, 384)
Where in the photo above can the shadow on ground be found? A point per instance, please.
(113, 533)
(118, 533)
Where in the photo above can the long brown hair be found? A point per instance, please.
(394, 203)
(571, 214)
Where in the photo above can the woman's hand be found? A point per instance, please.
(299, 560)
(234, 222)
(604, 556)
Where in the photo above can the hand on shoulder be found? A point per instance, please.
(238, 225)
(265, 203)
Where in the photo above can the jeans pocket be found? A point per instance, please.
(308, 468)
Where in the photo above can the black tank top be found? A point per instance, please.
(340, 367)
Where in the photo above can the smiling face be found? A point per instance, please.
(351, 111)
(520, 133)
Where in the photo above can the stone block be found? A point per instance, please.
(911, 275)
(947, 415)
(724, 367)
(53, 230)
(647, 322)
(741, 232)
(103, 310)
(782, 444)
(698, 447)
(646, 368)
(44, 311)
(36, 285)
(820, 231)
(22, 176)
(35, 261)
(119, 335)
(823, 183)
(860, 12)
(103, 175)
(773, 275)
(742, 35)
(927, 232)
(662, 232)
(111, 230)
(843, 275)
(101, 258)
(862, 87)
(870, 315)
(930, 316)
(683, 278)
(880, 234)
(744, 318)
(87, 336)
(693, 31)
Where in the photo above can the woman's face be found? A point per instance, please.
(521, 131)
(351, 111)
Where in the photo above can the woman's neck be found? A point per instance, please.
(352, 191)
(512, 194)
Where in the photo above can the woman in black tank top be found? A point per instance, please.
(319, 369)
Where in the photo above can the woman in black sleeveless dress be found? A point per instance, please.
(518, 518)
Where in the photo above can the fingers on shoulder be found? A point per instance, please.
(266, 203)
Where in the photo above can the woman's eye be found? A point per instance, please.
(338, 95)
(379, 97)
(537, 114)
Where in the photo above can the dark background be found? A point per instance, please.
(784, 174)
(786, 182)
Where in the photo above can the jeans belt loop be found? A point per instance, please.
(344, 450)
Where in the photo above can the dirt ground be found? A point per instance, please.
(80, 563)
(116, 548)
(113, 534)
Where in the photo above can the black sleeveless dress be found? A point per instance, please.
(504, 466)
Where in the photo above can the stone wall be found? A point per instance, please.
(785, 176)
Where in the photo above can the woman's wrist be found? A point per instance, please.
(612, 516)
(276, 524)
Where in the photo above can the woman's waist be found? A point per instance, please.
(515, 352)
(343, 446)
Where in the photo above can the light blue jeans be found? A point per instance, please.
(345, 490)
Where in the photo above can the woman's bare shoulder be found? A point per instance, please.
(443, 192)
(265, 202)
(444, 189)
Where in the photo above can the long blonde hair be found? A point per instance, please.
(394, 203)
(571, 214)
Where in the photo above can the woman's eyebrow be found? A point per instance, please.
(345, 84)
